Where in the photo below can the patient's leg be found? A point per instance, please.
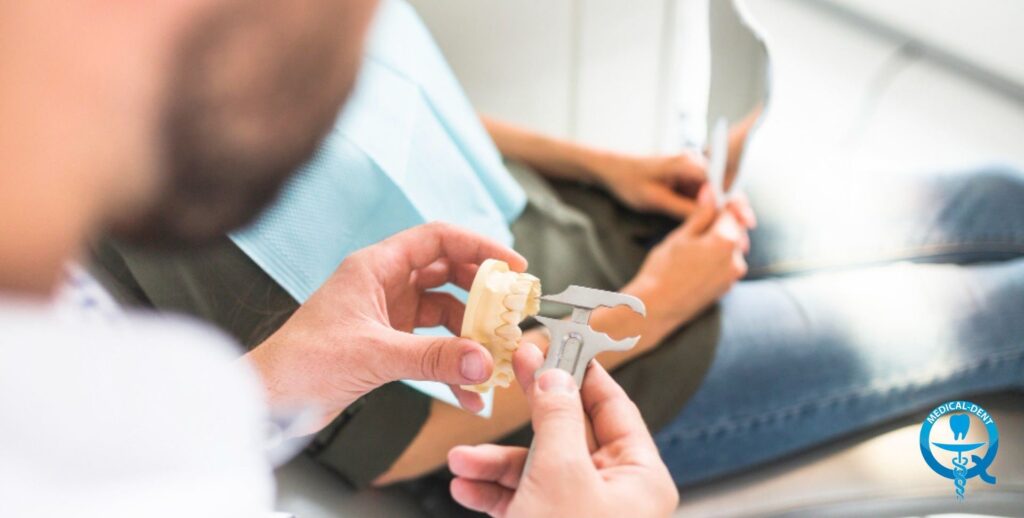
(828, 222)
(806, 359)
(855, 328)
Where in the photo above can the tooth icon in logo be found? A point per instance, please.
(959, 423)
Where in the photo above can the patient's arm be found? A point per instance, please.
(551, 156)
(665, 184)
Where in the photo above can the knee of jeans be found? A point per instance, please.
(996, 188)
(998, 179)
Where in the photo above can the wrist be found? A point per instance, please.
(260, 359)
(278, 372)
(664, 314)
(594, 162)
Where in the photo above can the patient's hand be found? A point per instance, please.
(663, 184)
(354, 334)
(623, 476)
(694, 265)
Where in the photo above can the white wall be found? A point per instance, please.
(586, 69)
(514, 58)
(595, 70)
(988, 32)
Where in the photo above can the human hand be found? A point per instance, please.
(354, 333)
(663, 184)
(695, 264)
(623, 476)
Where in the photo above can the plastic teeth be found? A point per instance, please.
(503, 378)
(498, 301)
(516, 302)
(509, 332)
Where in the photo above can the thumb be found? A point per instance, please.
(558, 425)
(704, 215)
(448, 359)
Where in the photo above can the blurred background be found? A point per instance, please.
(912, 85)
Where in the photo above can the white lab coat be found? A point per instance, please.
(127, 417)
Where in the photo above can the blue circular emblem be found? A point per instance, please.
(961, 464)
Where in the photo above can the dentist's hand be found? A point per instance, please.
(354, 333)
(624, 476)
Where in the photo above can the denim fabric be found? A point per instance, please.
(864, 303)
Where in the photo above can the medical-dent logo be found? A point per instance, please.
(951, 443)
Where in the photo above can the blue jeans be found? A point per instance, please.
(864, 302)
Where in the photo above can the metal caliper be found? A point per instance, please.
(573, 343)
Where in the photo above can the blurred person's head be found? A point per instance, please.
(169, 121)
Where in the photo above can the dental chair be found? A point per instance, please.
(878, 472)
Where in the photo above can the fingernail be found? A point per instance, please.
(529, 348)
(556, 381)
(475, 407)
(704, 196)
(471, 366)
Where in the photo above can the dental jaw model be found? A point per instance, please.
(499, 300)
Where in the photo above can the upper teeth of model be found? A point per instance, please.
(498, 301)
(516, 302)
(509, 332)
